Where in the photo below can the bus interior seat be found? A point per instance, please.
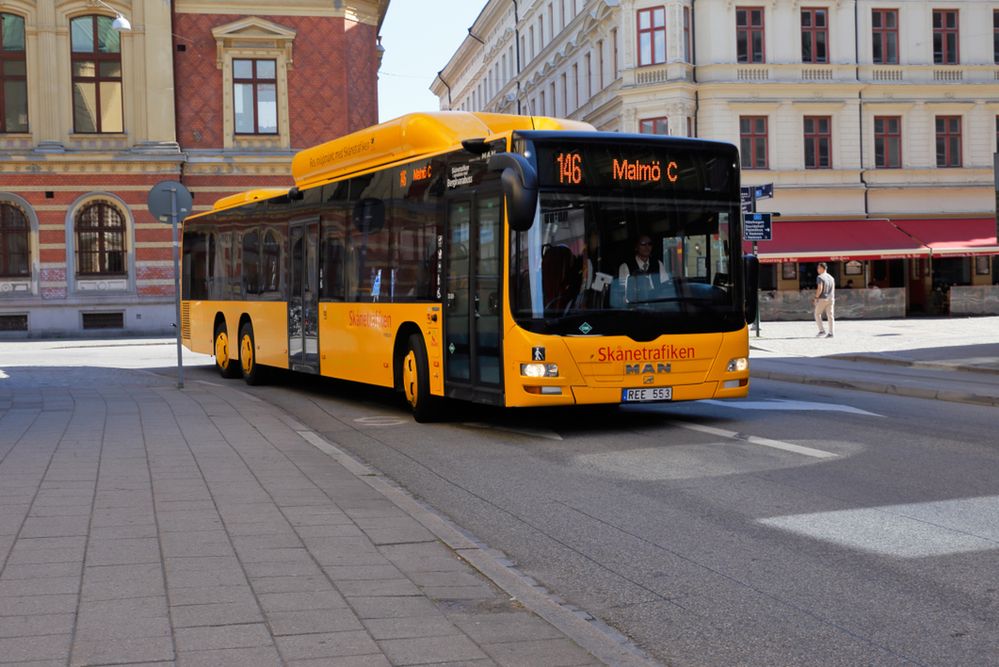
(558, 273)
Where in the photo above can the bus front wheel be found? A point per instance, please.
(416, 381)
(224, 361)
(252, 372)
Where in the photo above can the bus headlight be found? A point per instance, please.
(738, 365)
(536, 370)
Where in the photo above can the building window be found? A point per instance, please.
(945, 45)
(100, 240)
(818, 142)
(995, 36)
(887, 142)
(254, 87)
(814, 35)
(997, 135)
(884, 36)
(13, 75)
(948, 141)
(96, 65)
(753, 141)
(575, 86)
(651, 36)
(15, 248)
(654, 125)
(686, 34)
(749, 34)
(600, 64)
(614, 61)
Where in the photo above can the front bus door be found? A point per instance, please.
(472, 307)
(303, 301)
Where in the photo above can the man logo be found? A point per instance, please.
(649, 379)
(642, 369)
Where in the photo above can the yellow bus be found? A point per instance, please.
(508, 260)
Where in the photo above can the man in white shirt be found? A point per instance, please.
(642, 264)
(824, 299)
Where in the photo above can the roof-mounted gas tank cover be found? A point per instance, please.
(520, 185)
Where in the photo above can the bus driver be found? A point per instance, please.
(642, 264)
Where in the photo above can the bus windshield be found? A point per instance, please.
(607, 259)
(636, 236)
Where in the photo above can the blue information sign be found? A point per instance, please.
(757, 227)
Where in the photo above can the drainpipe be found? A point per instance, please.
(860, 99)
(693, 64)
(448, 89)
(516, 48)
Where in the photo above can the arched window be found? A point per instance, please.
(15, 248)
(96, 62)
(13, 75)
(100, 240)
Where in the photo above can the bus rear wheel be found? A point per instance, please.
(224, 361)
(252, 372)
(416, 381)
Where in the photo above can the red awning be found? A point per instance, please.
(836, 240)
(954, 237)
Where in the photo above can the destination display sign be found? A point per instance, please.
(654, 167)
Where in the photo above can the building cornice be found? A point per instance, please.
(370, 12)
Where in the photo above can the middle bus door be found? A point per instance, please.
(472, 309)
(303, 301)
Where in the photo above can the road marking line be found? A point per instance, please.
(913, 530)
(534, 433)
(789, 405)
(756, 440)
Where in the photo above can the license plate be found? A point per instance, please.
(647, 394)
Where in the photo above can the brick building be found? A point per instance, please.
(217, 94)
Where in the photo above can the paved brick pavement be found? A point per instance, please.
(142, 524)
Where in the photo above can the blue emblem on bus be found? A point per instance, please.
(585, 327)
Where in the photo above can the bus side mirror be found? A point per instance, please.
(751, 269)
(520, 185)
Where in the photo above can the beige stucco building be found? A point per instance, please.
(855, 110)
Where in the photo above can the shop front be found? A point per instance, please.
(883, 267)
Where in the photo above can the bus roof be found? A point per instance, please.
(410, 137)
(241, 198)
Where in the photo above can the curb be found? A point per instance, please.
(597, 638)
(908, 363)
(881, 388)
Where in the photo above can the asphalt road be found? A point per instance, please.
(804, 526)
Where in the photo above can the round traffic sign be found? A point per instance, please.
(169, 197)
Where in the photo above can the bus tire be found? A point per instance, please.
(224, 361)
(416, 381)
(252, 372)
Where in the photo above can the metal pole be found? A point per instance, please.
(757, 254)
(176, 284)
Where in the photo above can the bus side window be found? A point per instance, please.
(251, 262)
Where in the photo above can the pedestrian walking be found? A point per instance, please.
(824, 300)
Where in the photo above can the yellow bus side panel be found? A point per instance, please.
(595, 370)
(270, 327)
(356, 340)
